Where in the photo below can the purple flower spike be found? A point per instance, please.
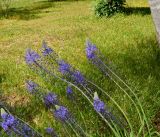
(69, 90)
(31, 86)
(49, 130)
(61, 113)
(64, 68)
(8, 121)
(46, 50)
(31, 56)
(99, 105)
(78, 77)
(14, 126)
(90, 50)
(50, 99)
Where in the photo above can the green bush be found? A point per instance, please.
(108, 7)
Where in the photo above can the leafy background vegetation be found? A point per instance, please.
(128, 40)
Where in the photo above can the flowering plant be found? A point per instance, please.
(14, 126)
(98, 101)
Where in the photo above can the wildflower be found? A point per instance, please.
(78, 77)
(99, 105)
(31, 86)
(90, 50)
(69, 93)
(8, 121)
(69, 90)
(64, 68)
(9, 124)
(50, 99)
(31, 56)
(12, 125)
(46, 50)
(61, 113)
(51, 132)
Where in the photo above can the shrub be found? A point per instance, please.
(108, 7)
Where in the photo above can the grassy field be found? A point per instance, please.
(128, 40)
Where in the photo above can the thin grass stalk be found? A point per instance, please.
(132, 93)
(81, 115)
(66, 130)
(155, 133)
(106, 74)
(73, 129)
(75, 103)
(140, 130)
(80, 128)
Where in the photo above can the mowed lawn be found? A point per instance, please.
(128, 40)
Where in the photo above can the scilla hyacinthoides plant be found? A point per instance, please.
(51, 102)
(49, 98)
(54, 67)
(14, 126)
(100, 107)
(95, 57)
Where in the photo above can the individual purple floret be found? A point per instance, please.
(31, 56)
(64, 68)
(69, 93)
(69, 90)
(90, 50)
(78, 77)
(99, 105)
(46, 50)
(31, 86)
(50, 99)
(62, 113)
(51, 132)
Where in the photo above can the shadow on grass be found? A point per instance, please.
(137, 10)
(27, 13)
(143, 60)
(28, 112)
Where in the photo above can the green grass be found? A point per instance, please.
(128, 40)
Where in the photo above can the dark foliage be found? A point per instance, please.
(109, 7)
